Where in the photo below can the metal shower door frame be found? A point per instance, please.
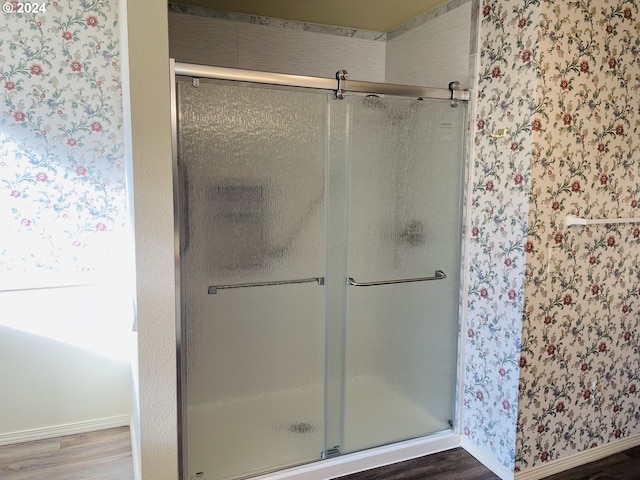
(340, 86)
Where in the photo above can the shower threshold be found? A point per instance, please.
(368, 459)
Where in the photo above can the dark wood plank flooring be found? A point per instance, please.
(459, 465)
(621, 466)
(450, 465)
(106, 455)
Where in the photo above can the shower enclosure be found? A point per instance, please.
(319, 244)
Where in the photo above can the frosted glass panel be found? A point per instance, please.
(252, 164)
(284, 195)
(405, 160)
(254, 160)
(255, 380)
(405, 187)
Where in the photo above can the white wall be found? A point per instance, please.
(126, 124)
(63, 350)
(64, 361)
(149, 153)
(227, 43)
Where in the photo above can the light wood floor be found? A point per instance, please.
(106, 455)
(103, 455)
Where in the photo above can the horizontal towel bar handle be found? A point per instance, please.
(573, 220)
(440, 275)
(213, 289)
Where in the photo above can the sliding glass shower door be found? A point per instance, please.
(404, 160)
(253, 168)
(319, 263)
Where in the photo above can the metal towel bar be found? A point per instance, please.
(213, 289)
(573, 220)
(440, 275)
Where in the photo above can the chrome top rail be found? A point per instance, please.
(398, 90)
(213, 289)
(440, 275)
(252, 76)
(339, 84)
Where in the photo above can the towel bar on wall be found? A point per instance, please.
(440, 275)
(213, 289)
(573, 220)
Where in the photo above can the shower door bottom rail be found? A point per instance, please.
(440, 275)
(213, 289)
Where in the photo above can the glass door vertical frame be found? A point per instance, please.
(462, 282)
(177, 228)
(335, 273)
(462, 277)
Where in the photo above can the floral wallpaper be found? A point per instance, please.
(62, 177)
(496, 254)
(580, 361)
(552, 349)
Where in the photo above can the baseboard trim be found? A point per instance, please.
(62, 430)
(486, 459)
(579, 459)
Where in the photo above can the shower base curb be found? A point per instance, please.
(368, 459)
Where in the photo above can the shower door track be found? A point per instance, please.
(340, 85)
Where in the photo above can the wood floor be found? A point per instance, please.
(450, 465)
(106, 455)
(459, 465)
(103, 455)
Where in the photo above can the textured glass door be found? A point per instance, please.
(404, 162)
(252, 166)
(319, 266)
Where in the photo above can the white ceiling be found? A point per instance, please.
(376, 15)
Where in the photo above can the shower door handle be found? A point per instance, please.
(213, 289)
(183, 183)
(440, 275)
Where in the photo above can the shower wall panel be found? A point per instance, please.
(430, 50)
(276, 48)
(433, 51)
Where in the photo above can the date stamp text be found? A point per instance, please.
(24, 7)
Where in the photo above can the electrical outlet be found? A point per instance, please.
(596, 389)
(500, 133)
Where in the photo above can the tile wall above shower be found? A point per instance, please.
(425, 51)
(201, 36)
(432, 50)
